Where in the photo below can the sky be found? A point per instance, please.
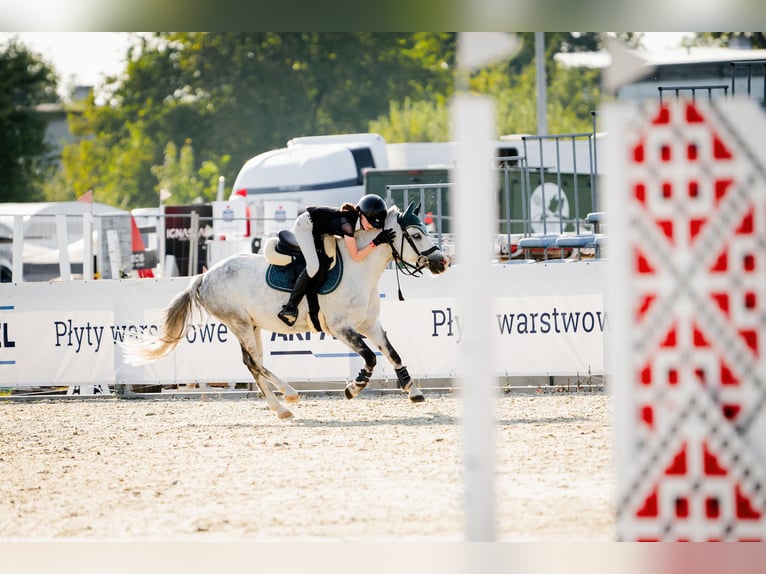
(80, 58)
(86, 58)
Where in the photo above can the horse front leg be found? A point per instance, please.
(354, 340)
(378, 336)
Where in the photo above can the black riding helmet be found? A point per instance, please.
(374, 209)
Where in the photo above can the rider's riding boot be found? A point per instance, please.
(289, 312)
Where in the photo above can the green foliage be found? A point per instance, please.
(572, 95)
(421, 121)
(179, 175)
(235, 95)
(26, 81)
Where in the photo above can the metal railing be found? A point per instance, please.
(49, 246)
(541, 171)
(709, 88)
(748, 66)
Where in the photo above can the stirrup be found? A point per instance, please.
(288, 315)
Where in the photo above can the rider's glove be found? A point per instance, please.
(385, 236)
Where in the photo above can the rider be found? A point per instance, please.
(369, 213)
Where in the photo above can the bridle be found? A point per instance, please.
(406, 267)
(400, 264)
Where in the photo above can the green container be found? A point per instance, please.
(433, 200)
(543, 203)
(528, 201)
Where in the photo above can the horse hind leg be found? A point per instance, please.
(290, 394)
(261, 380)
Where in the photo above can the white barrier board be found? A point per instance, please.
(549, 320)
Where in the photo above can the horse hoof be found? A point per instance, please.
(417, 397)
(285, 414)
(352, 389)
(292, 398)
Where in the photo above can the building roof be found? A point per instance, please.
(675, 56)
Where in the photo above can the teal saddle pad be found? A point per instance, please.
(282, 277)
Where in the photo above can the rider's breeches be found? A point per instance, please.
(304, 234)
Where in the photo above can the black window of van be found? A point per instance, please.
(362, 159)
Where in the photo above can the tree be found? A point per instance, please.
(179, 175)
(421, 121)
(27, 81)
(237, 95)
(572, 95)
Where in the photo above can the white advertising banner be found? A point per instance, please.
(549, 320)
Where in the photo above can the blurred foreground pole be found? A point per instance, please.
(474, 201)
(542, 85)
(473, 121)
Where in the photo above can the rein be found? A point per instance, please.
(405, 266)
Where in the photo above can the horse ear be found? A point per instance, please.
(408, 211)
(417, 209)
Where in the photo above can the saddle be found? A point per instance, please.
(287, 263)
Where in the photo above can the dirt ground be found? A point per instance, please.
(377, 468)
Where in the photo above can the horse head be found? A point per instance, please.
(416, 247)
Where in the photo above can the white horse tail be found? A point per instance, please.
(142, 349)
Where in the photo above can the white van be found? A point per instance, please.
(6, 253)
(313, 170)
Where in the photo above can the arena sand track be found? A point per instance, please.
(377, 468)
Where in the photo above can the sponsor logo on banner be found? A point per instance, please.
(89, 336)
(553, 321)
(7, 343)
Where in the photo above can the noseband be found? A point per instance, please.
(422, 261)
(405, 266)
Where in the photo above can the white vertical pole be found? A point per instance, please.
(115, 255)
(221, 183)
(18, 248)
(193, 243)
(65, 271)
(161, 237)
(87, 246)
(473, 201)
